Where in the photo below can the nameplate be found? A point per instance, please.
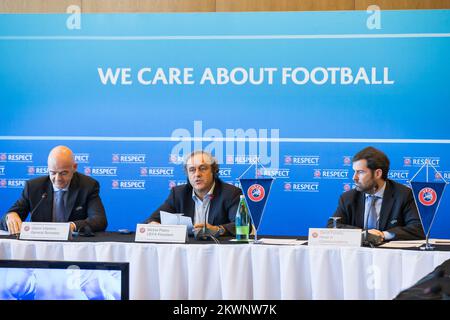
(45, 231)
(161, 233)
(334, 237)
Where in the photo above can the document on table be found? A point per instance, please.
(403, 244)
(177, 219)
(283, 241)
(440, 241)
(413, 243)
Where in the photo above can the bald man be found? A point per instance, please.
(63, 196)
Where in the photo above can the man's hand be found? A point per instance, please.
(214, 229)
(13, 222)
(376, 232)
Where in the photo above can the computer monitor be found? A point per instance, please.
(63, 280)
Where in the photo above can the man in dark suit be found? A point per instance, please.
(204, 196)
(63, 196)
(386, 208)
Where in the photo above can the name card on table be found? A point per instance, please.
(161, 233)
(45, 231)
(334, 237)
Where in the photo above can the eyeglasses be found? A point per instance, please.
(201, 168)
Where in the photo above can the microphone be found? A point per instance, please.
(204, 233)
(44, 196)
(366, 231)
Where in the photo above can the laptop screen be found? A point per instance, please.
(62, 280)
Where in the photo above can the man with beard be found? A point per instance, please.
(384, 207)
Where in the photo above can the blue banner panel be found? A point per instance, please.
(300, 92)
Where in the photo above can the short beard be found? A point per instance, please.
(370, 189)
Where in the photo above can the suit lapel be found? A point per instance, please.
(46, 208)
(188, 204)
(72, 196)
(213, 209)
(386, 206)
(360, 209)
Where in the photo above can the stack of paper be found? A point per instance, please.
(403, 244)
(282, 241)
(414, 243)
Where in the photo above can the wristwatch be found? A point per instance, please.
(222, 231)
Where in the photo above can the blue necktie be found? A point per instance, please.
(372, 213)
(60, 209)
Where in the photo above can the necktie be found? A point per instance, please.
(372, 213)
(60, 209)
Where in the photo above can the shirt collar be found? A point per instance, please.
(55, 189)
(379, 193)
(210, 192)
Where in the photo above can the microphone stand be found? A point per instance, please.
(44, 196)
(204, 234)
(366, 241)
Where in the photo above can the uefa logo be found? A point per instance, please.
(287, 160)
(144, 171)
(407, 161)
(115, 158)
(229, 160)
(2, 157)
(314, 235)
(3, 183)
(87, 171)
(172, 184)
(27, 228)
(141, 230)
(115, 184)
(287, 186)
(173, 158)
(438, 176)
(427, 196)
(347, 187)
(256, 192)
(31, 170)
(347, 161)
(317, 173)
(259, 173)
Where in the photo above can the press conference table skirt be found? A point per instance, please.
(245, 271)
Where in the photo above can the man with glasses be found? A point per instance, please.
(63, 196)
(204, 198)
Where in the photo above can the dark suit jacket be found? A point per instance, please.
(222, 208)
(83, 204)
(398, 213)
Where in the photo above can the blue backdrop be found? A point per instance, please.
(305, 114)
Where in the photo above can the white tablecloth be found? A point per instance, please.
(210, 271)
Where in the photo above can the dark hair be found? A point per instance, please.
(375, 158)
(214, 165)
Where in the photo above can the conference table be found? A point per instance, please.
(230, 270)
